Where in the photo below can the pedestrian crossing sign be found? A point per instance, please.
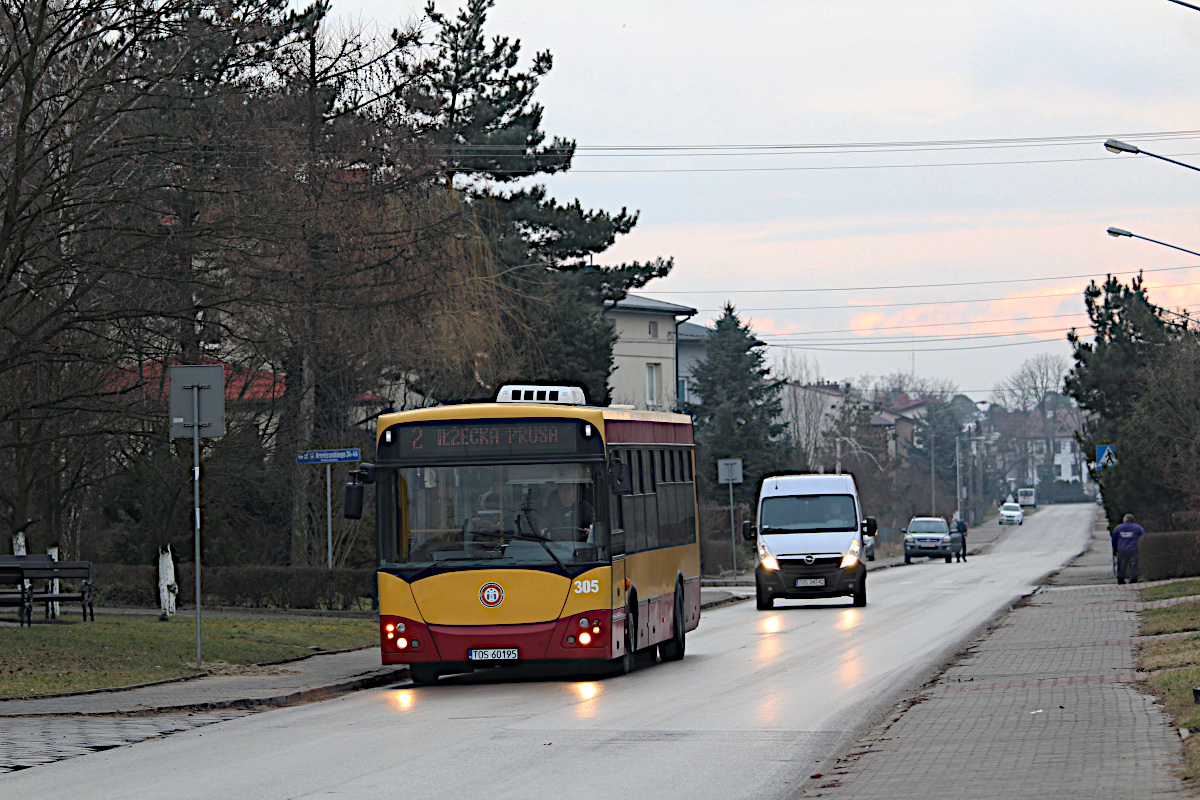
(1106, 456)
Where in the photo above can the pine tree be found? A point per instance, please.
(738, 415)
(487, 130)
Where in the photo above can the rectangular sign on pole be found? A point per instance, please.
(729, 470)
(210, 379)
(328, 456)
(196, 409)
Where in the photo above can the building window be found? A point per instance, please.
(681, 391)
(653, 383)
(654, 329)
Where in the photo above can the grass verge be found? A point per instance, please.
(1177, 664)
(120, 651)
(1168, 590)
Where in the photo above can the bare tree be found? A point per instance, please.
(805, 406)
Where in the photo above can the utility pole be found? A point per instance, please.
(958, 470)
(932, 476)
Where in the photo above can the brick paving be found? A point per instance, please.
(1044, 705)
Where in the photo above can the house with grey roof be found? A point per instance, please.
(645, 357)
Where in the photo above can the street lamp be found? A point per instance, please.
(1117, 146)
(1117, 233)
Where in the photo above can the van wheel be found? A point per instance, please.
(672, 649)
(423, 674)
(907, 560)
(860, 594)
(763, 600)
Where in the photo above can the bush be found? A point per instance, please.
(1175, 554)
(249, 586)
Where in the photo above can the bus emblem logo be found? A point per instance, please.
(491, 594)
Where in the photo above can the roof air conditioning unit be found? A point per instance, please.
(560, 395)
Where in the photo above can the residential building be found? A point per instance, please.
(645, 357)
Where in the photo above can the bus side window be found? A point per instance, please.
(648, 464)
(653, 538)
(615, 526)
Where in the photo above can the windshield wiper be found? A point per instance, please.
(545, 544)
(443, 561)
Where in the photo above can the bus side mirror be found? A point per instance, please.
(353, 507)
(747, 531)
(619, 477)
(870, 527)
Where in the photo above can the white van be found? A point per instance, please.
(809, 539)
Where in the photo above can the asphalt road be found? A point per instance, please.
(760, 700)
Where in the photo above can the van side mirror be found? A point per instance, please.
(353, 507)
(619, 477)
(747, 530)
(870, 527)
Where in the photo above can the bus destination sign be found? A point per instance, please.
(486, 439)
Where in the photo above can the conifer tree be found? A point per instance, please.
(739, 412)
(486, 131)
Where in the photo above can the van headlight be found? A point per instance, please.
(851, 558)
(768, 561)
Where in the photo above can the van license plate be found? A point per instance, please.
(802, 582)
(493, 654)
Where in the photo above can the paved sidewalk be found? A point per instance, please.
(1043, 705)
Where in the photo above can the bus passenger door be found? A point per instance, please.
(618, 605)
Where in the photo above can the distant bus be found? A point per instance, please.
(1027, 498)
(533, 529)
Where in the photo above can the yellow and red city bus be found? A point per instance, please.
(525, 531)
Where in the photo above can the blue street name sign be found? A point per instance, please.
(328, 456)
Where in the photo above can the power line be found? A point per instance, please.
(928, 325)
(905, 350)
(865, 308)
(924, 285)
(849, 166)
(523, 149)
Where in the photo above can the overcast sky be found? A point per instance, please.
(752, 229)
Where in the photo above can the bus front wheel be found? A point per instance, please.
(673, 648)
(626, 662)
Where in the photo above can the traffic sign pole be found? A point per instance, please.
(328, 458)
(329, 515)
(196, 496)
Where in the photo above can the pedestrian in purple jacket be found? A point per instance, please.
(1125, 547)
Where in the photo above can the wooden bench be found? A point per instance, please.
(13, 590)
(67, 571)
(25, 573)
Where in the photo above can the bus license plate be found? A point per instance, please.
(493, 654)
(802, 582)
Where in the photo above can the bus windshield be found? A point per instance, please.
(809, 512)
(496, 515)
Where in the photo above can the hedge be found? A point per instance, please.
(248, 586)
(1175, 554)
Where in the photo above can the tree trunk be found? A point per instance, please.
(167, 588)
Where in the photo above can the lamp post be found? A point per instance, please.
(1117, 146)
(1117, 233)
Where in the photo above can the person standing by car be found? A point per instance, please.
(1125, 547)
(961, 528)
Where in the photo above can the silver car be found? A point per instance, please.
(930, 537)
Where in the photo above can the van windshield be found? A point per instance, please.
(809, 512)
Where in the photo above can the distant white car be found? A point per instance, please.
(1011, 514)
